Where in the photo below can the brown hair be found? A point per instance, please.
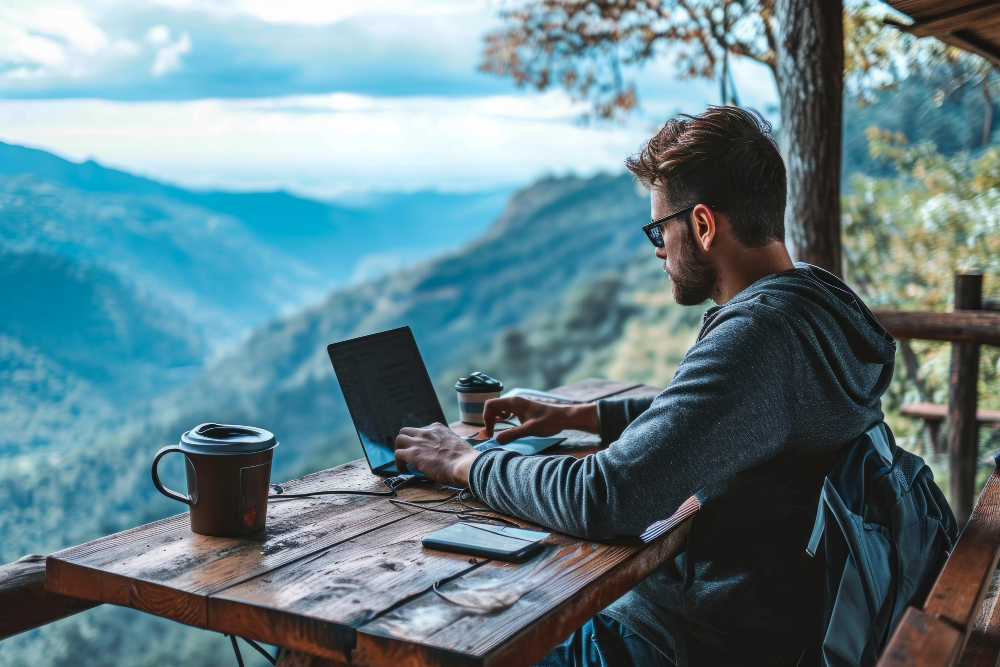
(725, 158)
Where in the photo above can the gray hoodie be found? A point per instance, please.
(781, 380)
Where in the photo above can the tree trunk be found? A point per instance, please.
(811, 84)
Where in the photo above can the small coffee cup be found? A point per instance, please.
(228, 471)
(473, 392)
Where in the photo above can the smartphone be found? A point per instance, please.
(486, 541)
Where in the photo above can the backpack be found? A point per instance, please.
(886, 531)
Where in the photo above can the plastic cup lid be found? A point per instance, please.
(227, 439)
(478, 383)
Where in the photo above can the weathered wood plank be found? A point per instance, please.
(515, 613)
(314, 604)
(960, 326)
(165, 569)
(983, 647)
(292, 658)
(24, 602)
(958, 593)
(922, 640)
(953, 20)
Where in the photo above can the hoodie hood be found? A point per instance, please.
(841, 328)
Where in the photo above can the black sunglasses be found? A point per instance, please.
(653, 230)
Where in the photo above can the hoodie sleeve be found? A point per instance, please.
(615, 414)
(727, 409)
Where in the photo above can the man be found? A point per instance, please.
(789, 368)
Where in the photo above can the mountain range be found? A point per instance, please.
(127, 287)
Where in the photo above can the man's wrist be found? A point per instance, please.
(464, 468)
(584, 418)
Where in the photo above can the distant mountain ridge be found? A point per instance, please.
(324, 236)
(129, 286)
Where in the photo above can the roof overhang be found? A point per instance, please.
(972, 25)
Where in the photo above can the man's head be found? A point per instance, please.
(724, 165)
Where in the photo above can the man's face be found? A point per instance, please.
(692, 275)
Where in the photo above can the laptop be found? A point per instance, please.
(386, 387)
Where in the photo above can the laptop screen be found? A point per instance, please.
(386, 387)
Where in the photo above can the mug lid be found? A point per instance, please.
(478, 382)
(227, 439)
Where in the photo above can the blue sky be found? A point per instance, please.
(322, 98)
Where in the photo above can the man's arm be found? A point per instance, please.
(727, 409)
(615, 414)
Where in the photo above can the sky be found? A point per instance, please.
(326, 99)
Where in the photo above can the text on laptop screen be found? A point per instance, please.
(386, 388)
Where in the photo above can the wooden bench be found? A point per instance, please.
(959, 623)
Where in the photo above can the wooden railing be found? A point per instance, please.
(967, 328)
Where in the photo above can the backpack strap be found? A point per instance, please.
(819, 526)
(880, 440)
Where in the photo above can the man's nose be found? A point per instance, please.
(661, 252)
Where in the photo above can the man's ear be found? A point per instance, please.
(703, 220)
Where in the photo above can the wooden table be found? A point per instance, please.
(344, 580)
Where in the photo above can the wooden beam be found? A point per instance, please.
(958, 19)
(982, 327)
(938, 412)
(963, 396)
(24, 603)
(968, 40)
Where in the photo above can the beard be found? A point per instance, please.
(693, 278)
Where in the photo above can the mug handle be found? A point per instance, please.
(156, 477)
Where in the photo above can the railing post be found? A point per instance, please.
(963, 430)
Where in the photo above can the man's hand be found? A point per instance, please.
(437, 452)
(540, 419)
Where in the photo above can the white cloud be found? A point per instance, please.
(158, 35)
(168, 58)
(326, 145)
(38, 37)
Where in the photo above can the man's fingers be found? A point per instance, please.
(497, 409)
(401, 457)
(511, 434)
(491, 413)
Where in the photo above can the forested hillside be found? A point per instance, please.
(119, 288)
